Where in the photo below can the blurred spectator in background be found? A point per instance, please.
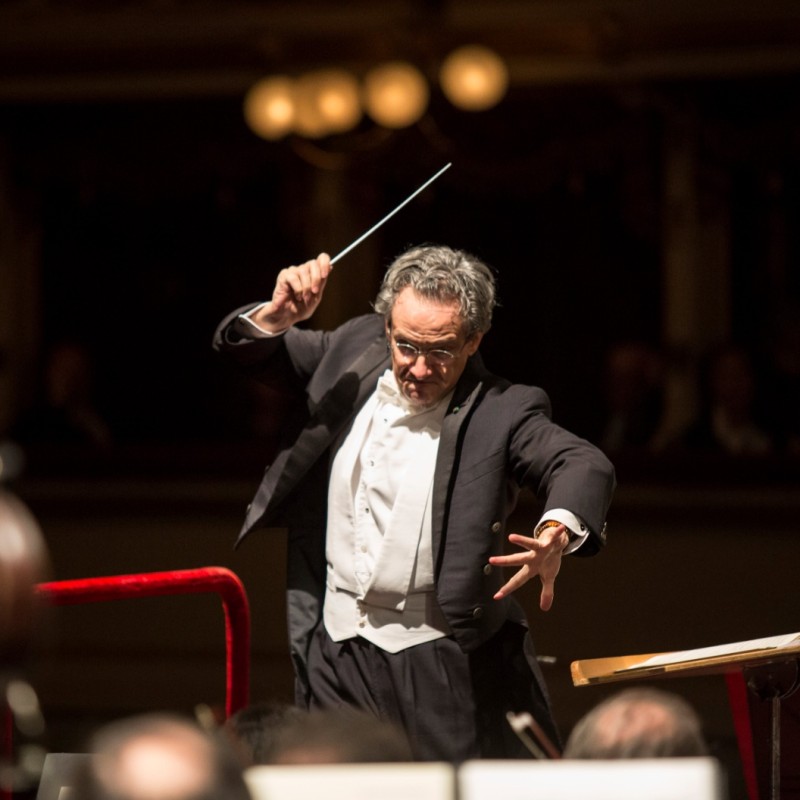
(66, 412)
(255, 728)
(638, 723)
(633, 397)
(340, 736)
(158, 757)
(727, 422)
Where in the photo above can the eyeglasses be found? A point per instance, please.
(408, 354)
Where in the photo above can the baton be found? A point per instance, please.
(390, 214)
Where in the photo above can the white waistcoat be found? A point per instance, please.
(380, 562)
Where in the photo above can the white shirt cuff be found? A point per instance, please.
(247, 327)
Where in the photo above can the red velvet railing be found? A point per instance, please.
(218, 580)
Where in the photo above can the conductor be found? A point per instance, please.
(396, 483)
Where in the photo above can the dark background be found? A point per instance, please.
(158, 217)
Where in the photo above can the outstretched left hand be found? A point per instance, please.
(540, 557)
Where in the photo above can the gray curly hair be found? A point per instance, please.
(442, 274)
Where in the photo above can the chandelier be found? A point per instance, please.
(394, 95)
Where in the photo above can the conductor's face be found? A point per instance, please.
(429, 348)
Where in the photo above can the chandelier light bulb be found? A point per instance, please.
(474, 78)
(395, 94)
(327, 102)
(269, 107)
(337, 98)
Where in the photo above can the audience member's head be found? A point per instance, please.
(159, 757)
(638, 723)
(731, 405)
(342, 736)
(254, 729)
(23, 563)
(66, 413)
(634, 396)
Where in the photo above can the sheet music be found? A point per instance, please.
(767, 643)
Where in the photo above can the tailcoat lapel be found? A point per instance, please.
(461, 406)
(332, 414)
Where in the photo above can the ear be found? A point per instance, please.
(471, 347)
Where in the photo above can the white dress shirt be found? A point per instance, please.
(380, 562)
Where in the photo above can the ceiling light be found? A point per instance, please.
(269, 107)
(395, 94)
(474, 78)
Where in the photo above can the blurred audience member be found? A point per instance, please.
(633, 397)
(727, 421)
(66, 412)
(24, 562)
(159, 757)
(638, 723)
(346, 736)
(254, 729)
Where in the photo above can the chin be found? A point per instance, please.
(422, 399)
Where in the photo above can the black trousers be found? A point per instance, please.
(451, 704)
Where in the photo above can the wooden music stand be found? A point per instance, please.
(768, 668)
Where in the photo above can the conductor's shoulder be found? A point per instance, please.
(364, 325)
(515, 393)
